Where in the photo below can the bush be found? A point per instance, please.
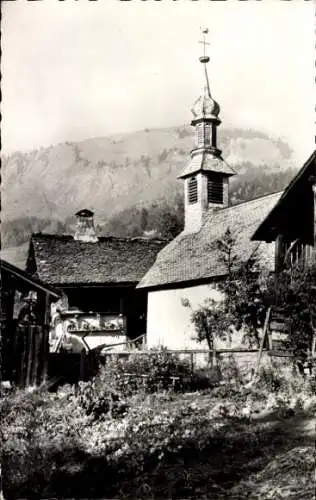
(98, 400)
(158, 370)
(72, 444)
(270, 380)
(40, 434)
(284, 379)
(230, 371)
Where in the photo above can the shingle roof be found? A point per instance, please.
(207, 163)
(63, 260)
(193, 257)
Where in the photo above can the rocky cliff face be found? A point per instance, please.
(42, 189)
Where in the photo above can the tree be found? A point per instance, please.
(248, 291)
(242, 304)
(143, 219)
(210, 322)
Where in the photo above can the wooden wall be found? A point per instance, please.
(24, 335)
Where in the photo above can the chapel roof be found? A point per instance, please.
(63, 260)
(207, 163)
(194, 257)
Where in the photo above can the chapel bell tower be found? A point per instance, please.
(206, 176)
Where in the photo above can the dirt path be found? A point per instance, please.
(290, 472)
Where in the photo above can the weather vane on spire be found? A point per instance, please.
(204, 59)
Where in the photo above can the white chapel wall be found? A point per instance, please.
(168, 320)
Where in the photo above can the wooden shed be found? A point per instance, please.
(25, 317)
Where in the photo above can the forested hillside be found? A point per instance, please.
(130, 181)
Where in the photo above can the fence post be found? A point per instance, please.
(192, 362)
(1, 490)
(46, 338)
(264, 333)
(30, 344)
(82, 364)
(37, 353)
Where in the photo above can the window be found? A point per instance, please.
(207, 134)
(200, 134)
(192, 190)
(203, 134)
(215, 190)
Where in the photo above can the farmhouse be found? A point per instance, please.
(292, 221)
(189, 267)
(98, 277)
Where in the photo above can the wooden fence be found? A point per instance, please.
(29, 355)
(24, 326)
(198, 358)
(26, 353)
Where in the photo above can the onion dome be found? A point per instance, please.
(205, 107)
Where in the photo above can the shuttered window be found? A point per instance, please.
(192, 190)
(200, 134)
(207, 134)
(203, 134)
(215, 190)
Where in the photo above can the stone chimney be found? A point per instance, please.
(85, 230)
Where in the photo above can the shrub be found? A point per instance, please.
(270, 380)
(40, 433)
(98, 400)
(230, 371)
(152, 372)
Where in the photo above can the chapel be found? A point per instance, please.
(188, 269)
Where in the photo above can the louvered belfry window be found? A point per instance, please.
(215, 189)
(200, 134)
(192, 190)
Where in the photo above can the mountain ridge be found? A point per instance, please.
(120, 170)
(129, 180)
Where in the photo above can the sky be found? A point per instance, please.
(72, 70)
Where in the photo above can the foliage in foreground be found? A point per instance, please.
(53, 444)
(151, 372)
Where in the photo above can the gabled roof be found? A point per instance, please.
(62, 260)
(195, 257)
(269, 223)
(29, 281)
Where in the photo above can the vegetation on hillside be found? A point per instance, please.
(130, 181)
(18, 231)
(162, 217)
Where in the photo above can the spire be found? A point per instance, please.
(206, 174)
(205, 60)
(205, 107)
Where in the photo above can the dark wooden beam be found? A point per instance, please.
(46, 337)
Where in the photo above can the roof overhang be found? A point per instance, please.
(181, 284)
(268, 228)
(129, 284)
(206, 161)
(30, 280)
